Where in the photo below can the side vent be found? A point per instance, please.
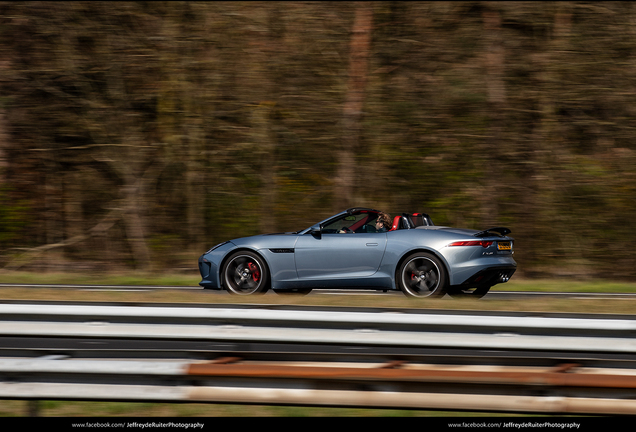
(282, 250)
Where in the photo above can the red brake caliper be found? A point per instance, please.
(256, 275)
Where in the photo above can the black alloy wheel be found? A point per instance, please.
(245, 273)
(422, 275)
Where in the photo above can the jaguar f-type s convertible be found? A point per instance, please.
(347, 251)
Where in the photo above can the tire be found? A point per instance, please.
(474, 293)
(245, 273)
(422, 275)
(294, 291)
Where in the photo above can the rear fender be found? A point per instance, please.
(424, 250)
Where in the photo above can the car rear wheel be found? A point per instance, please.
(475, 293)
(422, 275)
(245, 273)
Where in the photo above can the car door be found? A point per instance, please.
(333, 255)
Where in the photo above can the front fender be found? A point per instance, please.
(210, 264)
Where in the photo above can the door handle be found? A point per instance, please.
(372, 244)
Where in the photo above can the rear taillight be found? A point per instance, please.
(482, 243)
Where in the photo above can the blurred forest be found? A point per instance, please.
(138, 134)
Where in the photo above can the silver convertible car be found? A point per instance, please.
(347, 251)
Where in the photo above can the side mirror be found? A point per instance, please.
(315, 230)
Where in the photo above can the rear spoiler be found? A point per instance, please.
(497, 231)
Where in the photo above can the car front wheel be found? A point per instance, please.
(245, 273)
(422, 275)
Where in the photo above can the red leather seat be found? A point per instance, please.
(396, 223)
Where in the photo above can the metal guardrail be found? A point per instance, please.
(442, 330)
(401, 381)
(394, 385)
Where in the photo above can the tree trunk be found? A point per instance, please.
(133, 222)
(496, 90)
(72, 201)
(360, 45)
(266, 48)
(538, 174)
(3, 145)
(261, 133)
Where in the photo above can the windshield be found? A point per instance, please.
(356, 222)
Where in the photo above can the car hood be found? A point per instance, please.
(278, 240)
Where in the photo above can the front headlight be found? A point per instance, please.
(217, 246)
